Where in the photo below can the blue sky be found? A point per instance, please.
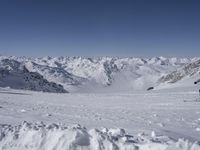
(138, 28)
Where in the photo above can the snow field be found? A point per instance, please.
(156, 120)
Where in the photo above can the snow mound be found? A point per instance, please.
(39, 136)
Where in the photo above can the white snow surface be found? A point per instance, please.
(39, 136)
(167, 119)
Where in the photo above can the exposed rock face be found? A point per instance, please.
(15, 75)
(187, 70)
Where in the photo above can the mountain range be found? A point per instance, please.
(82, 74)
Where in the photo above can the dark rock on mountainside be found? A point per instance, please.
(188, 70)
(150, 88)
(15, 75)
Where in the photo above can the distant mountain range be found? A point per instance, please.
(81, 74)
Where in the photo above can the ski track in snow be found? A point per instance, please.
(174, 113)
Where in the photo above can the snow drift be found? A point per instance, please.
(39, 136)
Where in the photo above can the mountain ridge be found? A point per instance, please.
(80, 73)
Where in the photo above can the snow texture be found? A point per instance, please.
(161, 119)
(39, 136)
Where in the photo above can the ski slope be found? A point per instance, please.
(158, 119)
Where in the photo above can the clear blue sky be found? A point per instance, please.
(140, 28)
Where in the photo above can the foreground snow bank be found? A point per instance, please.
(39, 136)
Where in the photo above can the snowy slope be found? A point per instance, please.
(79, 74)
(55, 74)
(184, 76)
(14, 74)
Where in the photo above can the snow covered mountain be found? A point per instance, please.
(116, 74)
(14, 74)
(55, 74)
(187, 74)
